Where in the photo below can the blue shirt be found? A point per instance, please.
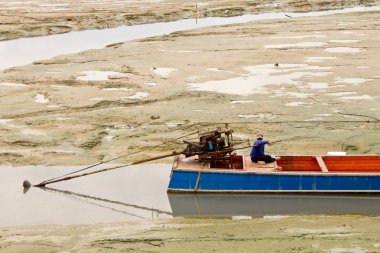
(258, 148)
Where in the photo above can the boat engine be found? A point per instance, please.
(217, 144)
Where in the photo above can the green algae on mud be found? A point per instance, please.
(346, 233)
(87, 121)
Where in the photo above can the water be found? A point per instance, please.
(126, 194)
(259, 205)
(259, 77)
(27, 50)
(138, 193)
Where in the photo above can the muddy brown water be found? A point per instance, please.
(139, 193)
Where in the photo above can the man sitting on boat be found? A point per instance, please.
(258, 151)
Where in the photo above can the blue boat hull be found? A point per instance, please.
(235, 181)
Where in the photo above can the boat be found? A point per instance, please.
(212, 166)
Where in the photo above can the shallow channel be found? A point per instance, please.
(126, 194)
(139, 193)
(27, 50)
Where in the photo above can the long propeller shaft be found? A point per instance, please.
(44, 183)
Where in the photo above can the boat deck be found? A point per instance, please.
(191, 163)
(257, 167)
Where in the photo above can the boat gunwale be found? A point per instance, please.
(222, 171)
(280, 172)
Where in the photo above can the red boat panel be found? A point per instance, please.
(353, 163)
(298, 163)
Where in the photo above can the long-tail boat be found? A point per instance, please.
(211, 165)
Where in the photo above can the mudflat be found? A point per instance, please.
(346, 233)
(20, 19)
(310, 83)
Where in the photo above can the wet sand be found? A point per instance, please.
(322, 96)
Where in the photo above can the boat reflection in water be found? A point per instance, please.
(128, 209)
(223, 205)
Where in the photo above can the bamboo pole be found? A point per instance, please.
(42, 184)
(174, 153)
